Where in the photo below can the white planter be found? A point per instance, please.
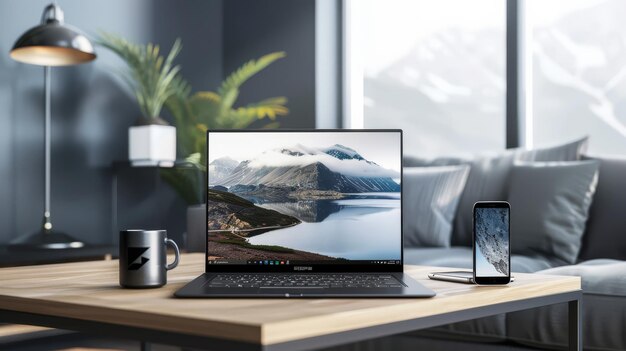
(152, 145)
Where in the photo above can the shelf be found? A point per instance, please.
(23, 257)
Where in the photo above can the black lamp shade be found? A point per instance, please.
(53, 43)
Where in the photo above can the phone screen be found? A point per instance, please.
(491, 242)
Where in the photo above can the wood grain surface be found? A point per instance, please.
(90, 291)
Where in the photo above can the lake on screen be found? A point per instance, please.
(364, 226)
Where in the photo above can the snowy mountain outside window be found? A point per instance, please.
(435, 69)
(579, 70)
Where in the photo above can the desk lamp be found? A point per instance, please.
(52, 43)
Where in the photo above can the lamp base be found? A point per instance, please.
(49, 240)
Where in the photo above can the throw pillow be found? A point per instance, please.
(431, 196)
(604, 236)
(571, 151)
(489, 176)
(549, 207)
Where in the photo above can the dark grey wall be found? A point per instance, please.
(199, 24)
(92, 108)
(253, 28)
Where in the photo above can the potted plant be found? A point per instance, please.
(153, 79)
(194, 114)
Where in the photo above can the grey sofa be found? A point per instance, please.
(601, 265)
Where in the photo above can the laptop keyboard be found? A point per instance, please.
(327, 280)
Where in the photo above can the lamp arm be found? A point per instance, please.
(47, 220)
(52, 13)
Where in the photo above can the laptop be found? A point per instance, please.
(295, 213)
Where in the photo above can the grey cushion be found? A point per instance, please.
(549, 207)
(604, 310)
(488, 180)
(431, 196)
(461, 257)
(600, 277)
(605, 236)
(571, 151)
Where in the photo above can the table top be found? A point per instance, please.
(90, 291)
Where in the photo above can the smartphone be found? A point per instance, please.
(491, 242)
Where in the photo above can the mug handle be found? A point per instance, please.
(176, 254)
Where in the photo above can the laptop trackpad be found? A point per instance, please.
(290, 288)
(291, 291)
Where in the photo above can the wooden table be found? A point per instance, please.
(86, 297)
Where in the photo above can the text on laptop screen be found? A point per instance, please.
(284, 198)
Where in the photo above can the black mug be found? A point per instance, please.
(143, 262)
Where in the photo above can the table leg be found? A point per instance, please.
(146, 346)
(575, 324)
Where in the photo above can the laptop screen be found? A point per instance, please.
(295, 200)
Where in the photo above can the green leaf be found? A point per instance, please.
(249, 69)
(154, 78)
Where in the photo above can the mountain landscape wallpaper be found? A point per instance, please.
(316, 196)
(492, 242)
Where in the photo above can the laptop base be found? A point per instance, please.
(198, 288)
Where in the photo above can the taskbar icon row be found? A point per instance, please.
(269, 262)
(251, 262)
(287, 262)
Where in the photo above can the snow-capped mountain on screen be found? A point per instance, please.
(343, 152)
(336, 168)
(221, 168)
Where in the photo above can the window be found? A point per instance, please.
(435, 69)
(578, 79)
